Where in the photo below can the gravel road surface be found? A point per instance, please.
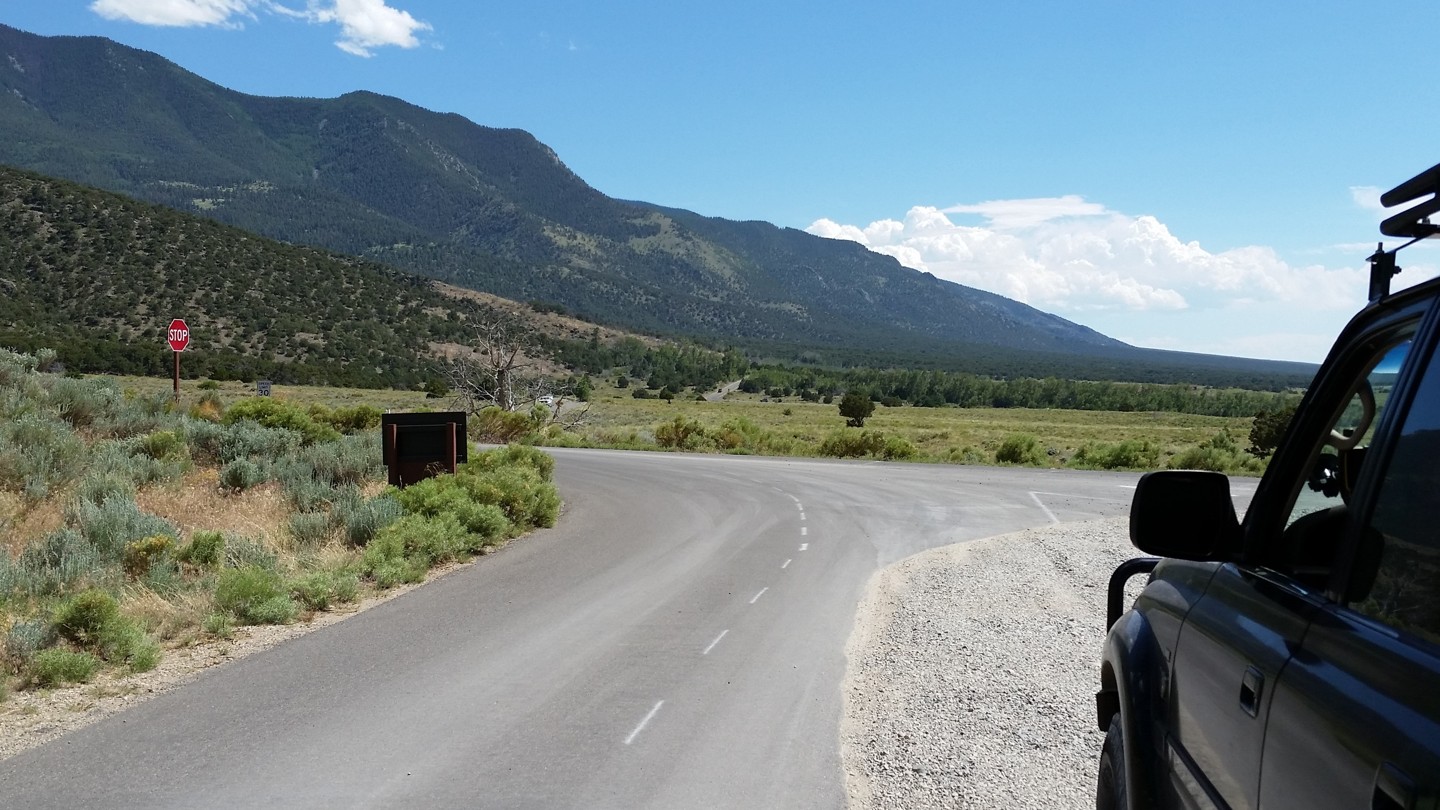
(972, 673)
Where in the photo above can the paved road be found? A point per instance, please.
(676, 641)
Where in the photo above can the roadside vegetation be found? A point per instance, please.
(758, 425)
(132, 523)
(789, 425)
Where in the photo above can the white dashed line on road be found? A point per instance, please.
(757, 596)
(636, 733)
(716, 641)
(785, 564)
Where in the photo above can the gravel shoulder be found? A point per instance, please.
(972, 673)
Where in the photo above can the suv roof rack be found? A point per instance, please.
(1412, 223)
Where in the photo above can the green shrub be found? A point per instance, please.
(499, 426)
(309, 528)
(303, 490)
(38, 452)
(275, 413)
(82, 403)
(114, 523)
(205, 550)
(391, 571)
(526, 498)
(254, 441)
(347, 420)
(1219, 454)
(57, 667)
(514, 455)
(84, 617)
(362, 519)
(1021, 448)
(744, 435)
(96, 487)
(405, 549)
(59, 560)
(243, 552)
(1130, 454)
(24, 640)
(92, 621)
(352, 460)
(254, 596)
(143, 554)
(318, 590)
(850, 444)
(680, 434)
(208, 385)
(240, 475)
(897, 448)
(134, 416)
(162, 445)
(219, 625)
(125, 642)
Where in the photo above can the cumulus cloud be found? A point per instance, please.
(364, 24)
(368, 24)
(1069, 255)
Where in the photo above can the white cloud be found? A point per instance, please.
(364, 24)
(1064, 254)
(181, 13)
(1367, 197)
(1127, 276)
(1013, 214)
(368, 24)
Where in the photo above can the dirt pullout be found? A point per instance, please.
(972, 673)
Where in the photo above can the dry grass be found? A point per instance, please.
(19, 523)
(197, 502)
(232, 391)
(175, 621)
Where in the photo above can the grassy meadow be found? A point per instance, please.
(756, 424)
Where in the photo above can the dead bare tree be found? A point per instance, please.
(499, 369)
(502, 370)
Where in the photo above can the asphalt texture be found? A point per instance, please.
(677, 640)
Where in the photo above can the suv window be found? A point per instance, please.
(1406, 593)
(1341, 449)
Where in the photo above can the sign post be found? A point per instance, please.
(179, 337)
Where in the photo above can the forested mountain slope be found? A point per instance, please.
(496, 210)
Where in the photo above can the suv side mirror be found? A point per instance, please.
(1187, 514)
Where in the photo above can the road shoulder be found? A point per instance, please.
(972, 668)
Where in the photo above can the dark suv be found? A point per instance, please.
(1292, 659)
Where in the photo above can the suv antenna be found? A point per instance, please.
(1414, 223)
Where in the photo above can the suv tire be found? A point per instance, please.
(1110, 791)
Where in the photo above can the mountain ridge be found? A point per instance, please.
(488, 209)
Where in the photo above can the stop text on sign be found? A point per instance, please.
(179, 335)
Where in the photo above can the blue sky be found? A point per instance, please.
(1186, 175)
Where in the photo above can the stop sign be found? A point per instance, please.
(179, 335)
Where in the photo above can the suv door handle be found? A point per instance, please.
(1252, 685)
(1393, 789)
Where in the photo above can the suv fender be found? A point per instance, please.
(1130, 670)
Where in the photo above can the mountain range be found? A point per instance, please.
(498, 211)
